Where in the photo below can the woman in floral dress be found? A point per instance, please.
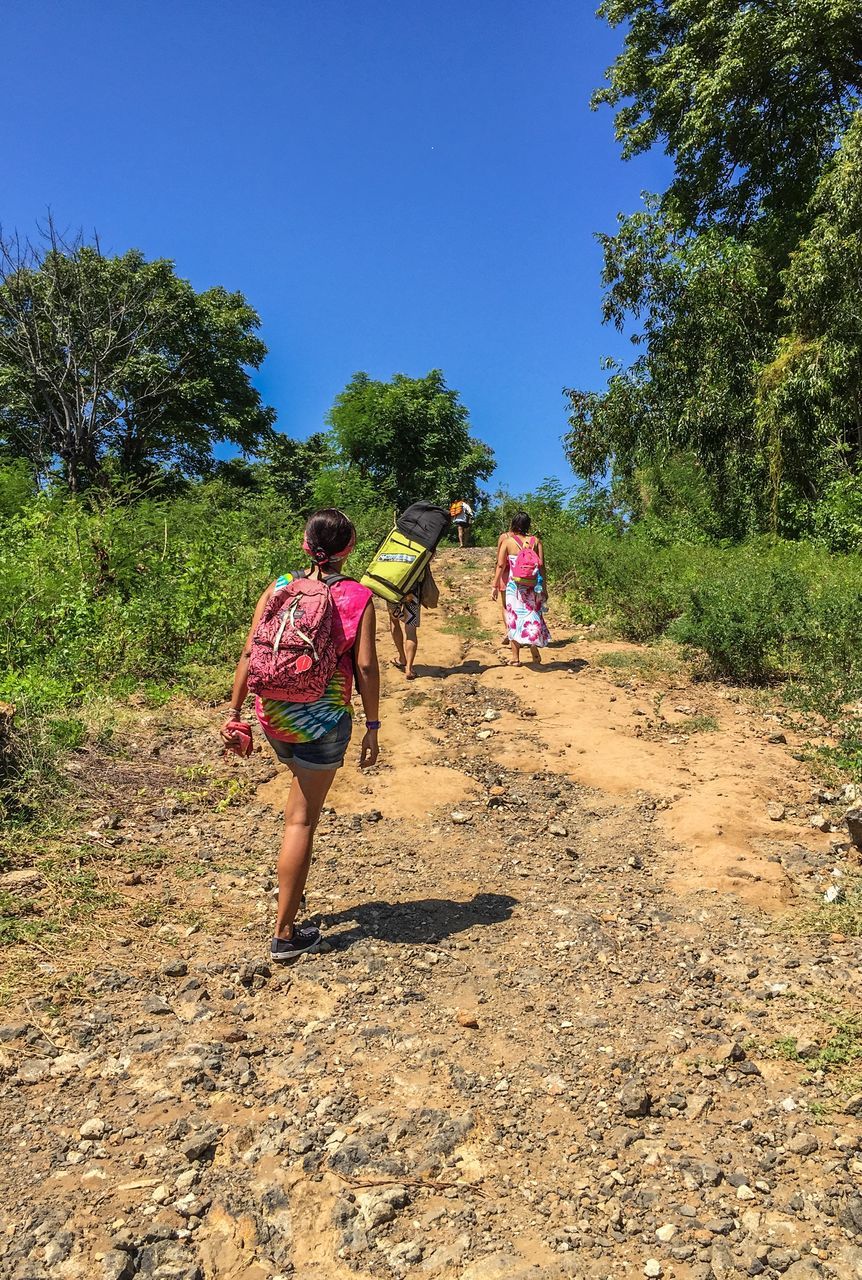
(525, 606)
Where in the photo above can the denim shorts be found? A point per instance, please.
(327, 752)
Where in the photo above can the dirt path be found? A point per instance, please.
(561, 1028)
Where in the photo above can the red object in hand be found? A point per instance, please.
(242, 741)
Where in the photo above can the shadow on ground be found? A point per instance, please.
(423, 920)
(569, 664)
(471, 667)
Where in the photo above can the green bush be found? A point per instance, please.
(149, 594)
(747, 614)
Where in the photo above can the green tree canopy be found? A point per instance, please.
(747, 96)
(739, 284)
(114, 365)
(410, 437)
(698, 301)
(810, 392)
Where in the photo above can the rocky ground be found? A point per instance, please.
(549, 1035)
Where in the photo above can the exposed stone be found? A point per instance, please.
(95, 1127)
(634, 1099)
(381, 1205)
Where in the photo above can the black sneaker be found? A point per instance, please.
(305, 937)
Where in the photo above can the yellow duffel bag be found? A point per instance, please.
(397, 567)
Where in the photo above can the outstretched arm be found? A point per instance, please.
(368, 681)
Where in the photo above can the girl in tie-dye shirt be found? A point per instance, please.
(311, 738)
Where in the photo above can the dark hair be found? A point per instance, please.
(520, 523)
(328, 533)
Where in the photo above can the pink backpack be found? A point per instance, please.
(526, 569)
(293, 651)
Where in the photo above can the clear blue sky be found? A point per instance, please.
(396, 185)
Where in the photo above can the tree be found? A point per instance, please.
(751, 99)
(410, 437)
(117, 366)
(747, 96)
(810, 392)
(292, 467)
(699, 303)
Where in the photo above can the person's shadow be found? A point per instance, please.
(471, 667)
(423, 920)
(559, 664)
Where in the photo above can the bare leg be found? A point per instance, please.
(398, 639)
(461, 529)
(535, 653)
(503, 616)
(516, 653)
(411, 644)
(301, 816)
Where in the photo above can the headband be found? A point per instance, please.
(319, 556)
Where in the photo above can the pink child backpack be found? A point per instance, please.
(293, 651)
(526, 569)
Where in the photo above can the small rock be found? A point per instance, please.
(201, 1144)
(776, 812)
(634, 1099)
(666, 1233)
(175, 969)
(853, 818)
(466, 1019)
(156, 1005)
(652, 1267)
(406, 1254)
(554, 1085)
(191, 1205)
(95, 1127)
(779, 1259)
(58, 1249)
(557, 829)
(721, 1261)
(117, 1265)
(184, 1181)
(803, 1144)
(33, 1070)
(697, 1104)
(850, 1216)
(381, 1205)
(460, 818)
(777, 739)
(853, 1105)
